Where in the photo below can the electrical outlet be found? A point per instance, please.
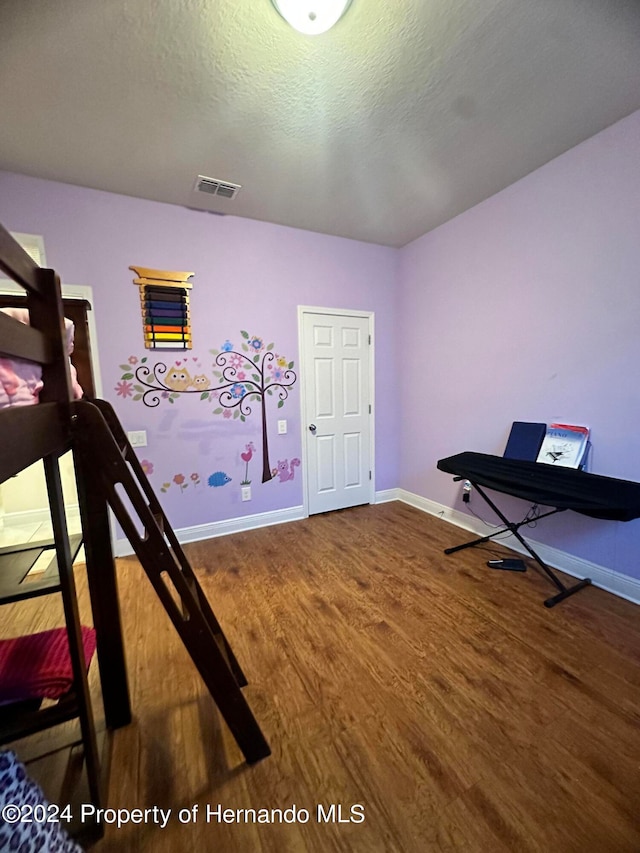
(137, 438)
(282, 427)
(246, 493)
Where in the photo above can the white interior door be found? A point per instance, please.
(337, 415)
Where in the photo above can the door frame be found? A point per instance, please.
(336, 312)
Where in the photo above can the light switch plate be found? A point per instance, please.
(137, 438)
(282, 427)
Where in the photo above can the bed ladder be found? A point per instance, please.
(102, 442)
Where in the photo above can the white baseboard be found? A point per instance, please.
(222, 528)
(387, 495)
(37, 516)
(615, 582)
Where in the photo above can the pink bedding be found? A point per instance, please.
(21, 381)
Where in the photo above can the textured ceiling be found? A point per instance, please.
(405, 114)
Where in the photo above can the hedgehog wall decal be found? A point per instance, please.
(219, 478)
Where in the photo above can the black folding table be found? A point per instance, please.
(557, 487)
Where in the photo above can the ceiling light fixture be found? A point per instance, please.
(312, 17)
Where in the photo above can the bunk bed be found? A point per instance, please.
(104, 464)
(34, 358)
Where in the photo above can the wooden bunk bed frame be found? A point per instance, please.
(31, 433)
(105, 464)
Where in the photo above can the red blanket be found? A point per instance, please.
(39, 665)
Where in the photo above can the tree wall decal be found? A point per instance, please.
(244, 380)
(269, 375)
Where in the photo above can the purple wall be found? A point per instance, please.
(248, 276)
(524, 308)
(527, 307)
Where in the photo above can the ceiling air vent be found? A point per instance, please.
(212, 186)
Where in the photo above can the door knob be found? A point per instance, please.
(312, 428)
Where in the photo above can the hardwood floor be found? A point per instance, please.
(439, 695)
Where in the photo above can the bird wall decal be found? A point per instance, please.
(246, 457)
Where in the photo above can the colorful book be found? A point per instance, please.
(564, 445)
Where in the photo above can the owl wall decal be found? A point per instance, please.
(201, 382)
(178, 379)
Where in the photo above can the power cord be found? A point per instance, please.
(530, 518)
